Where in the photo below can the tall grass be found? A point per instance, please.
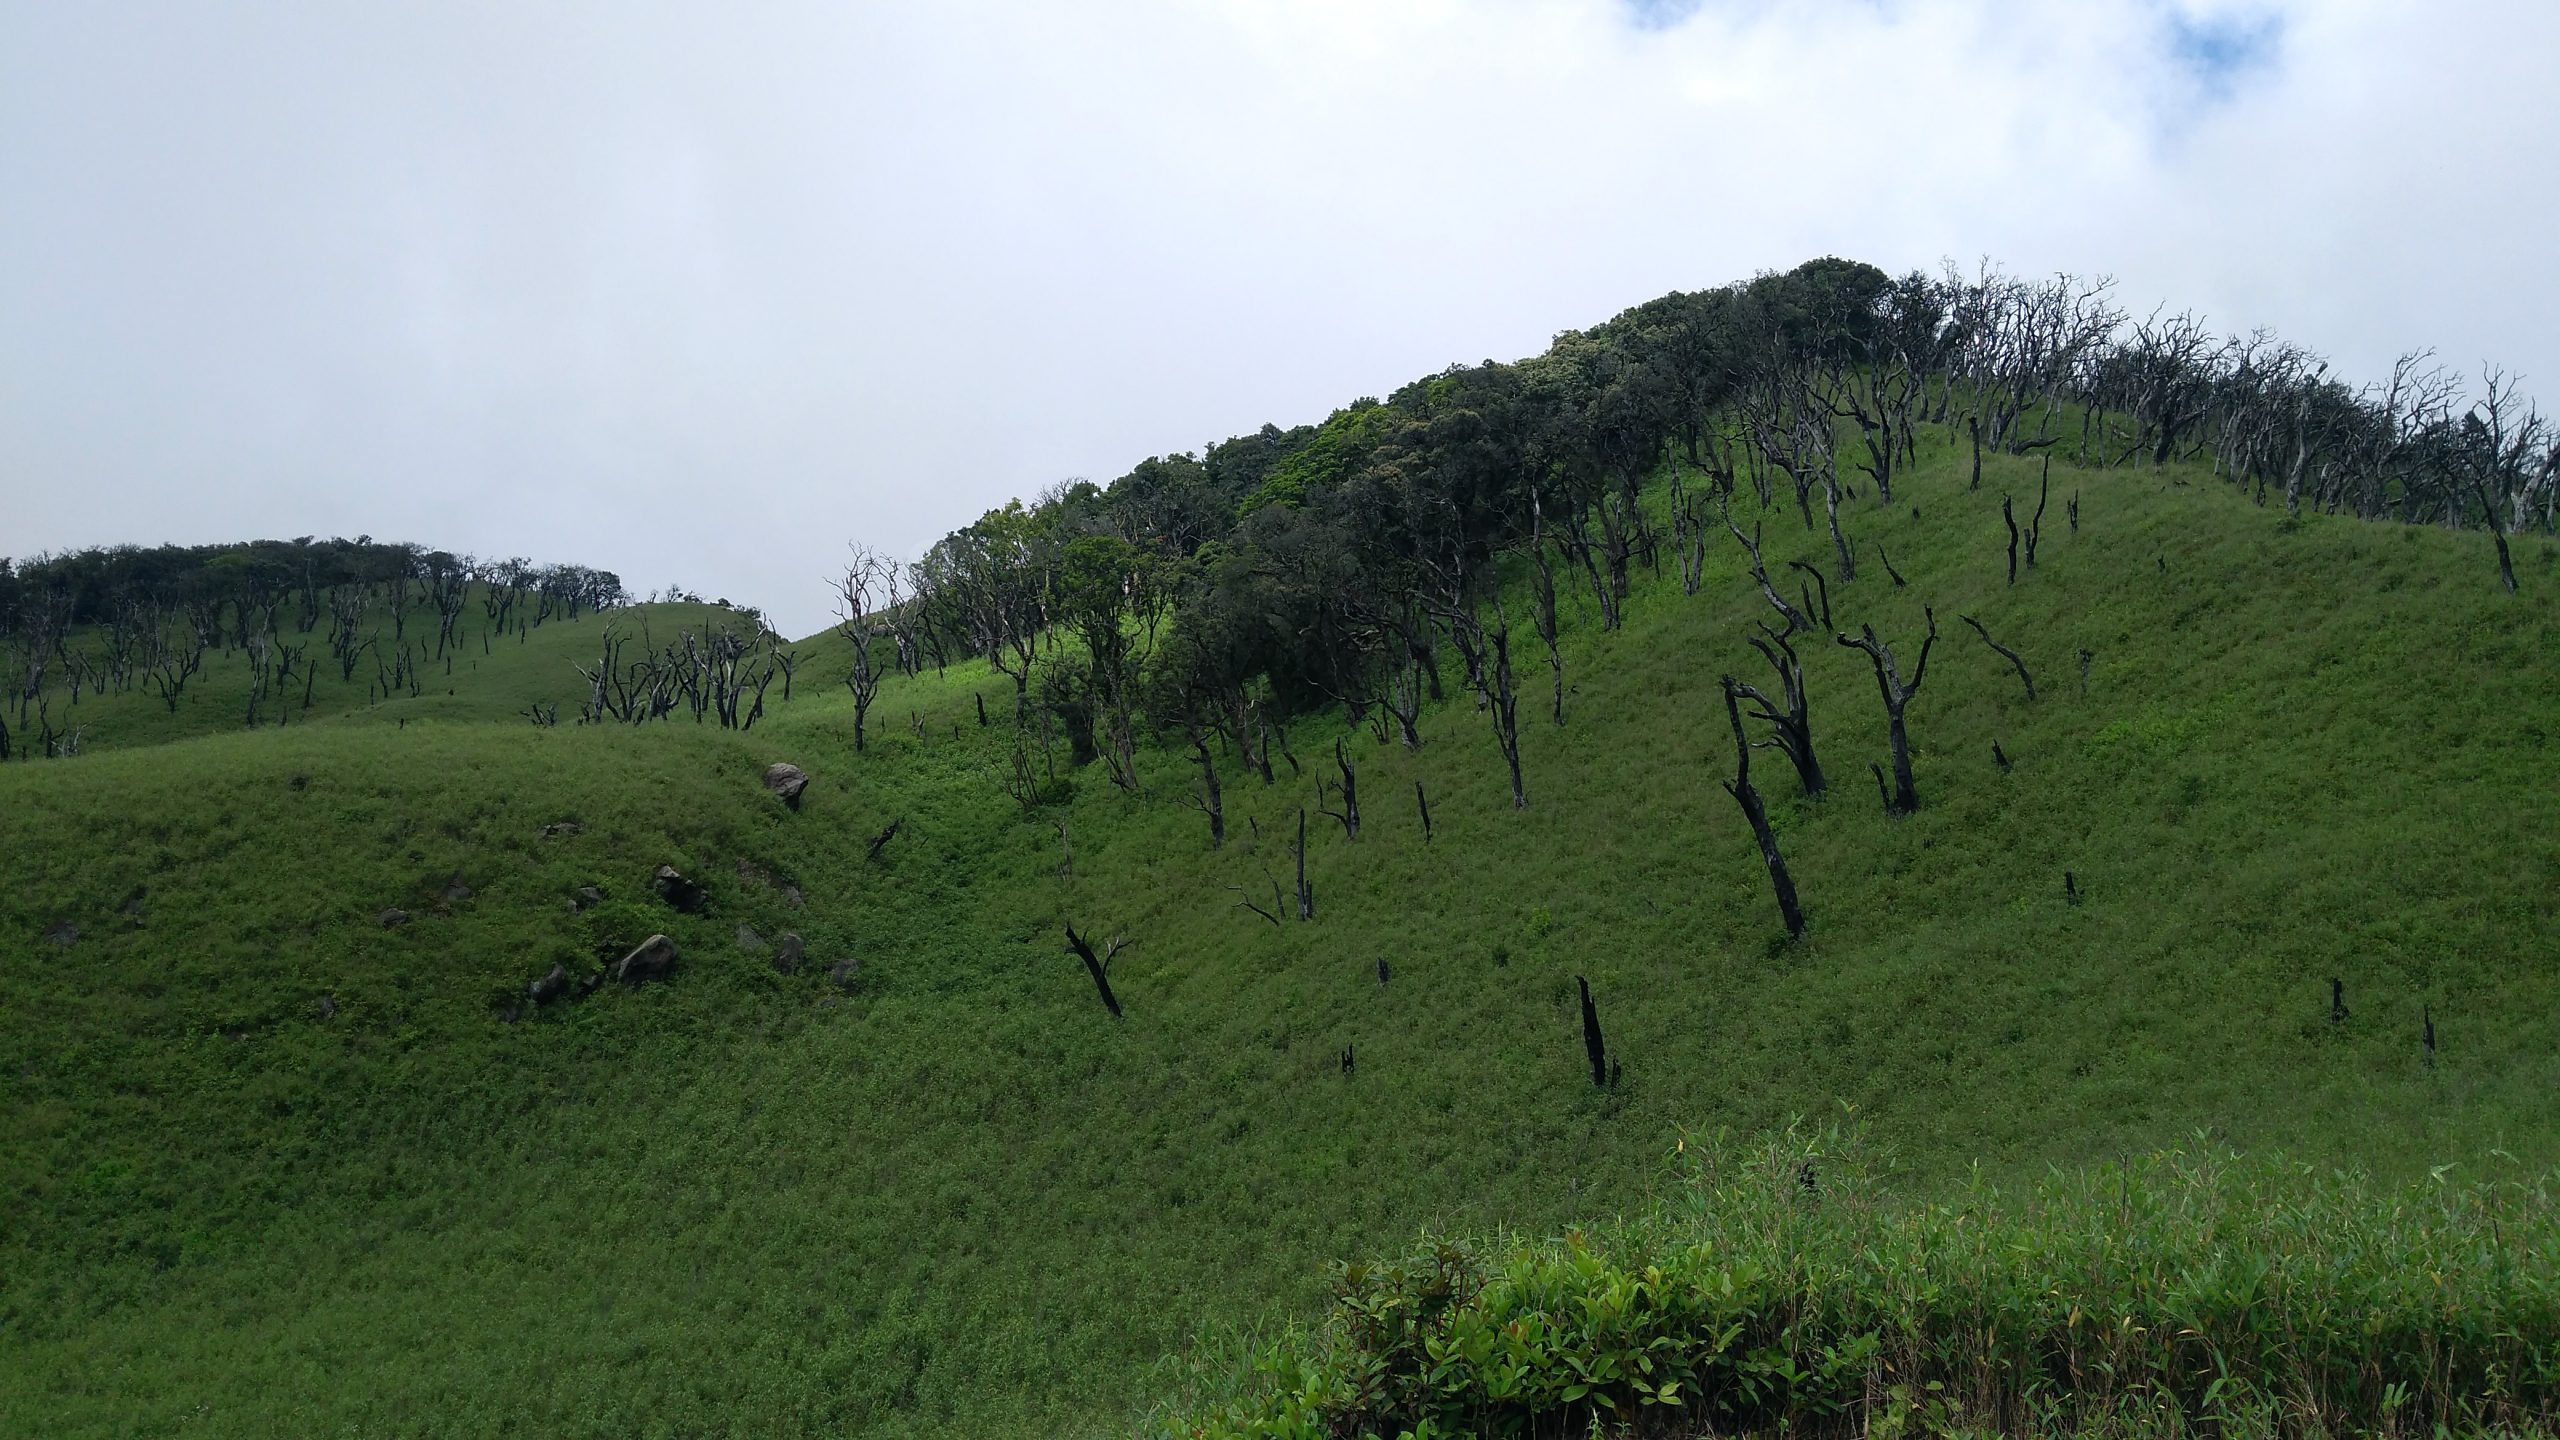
(1781, 1289)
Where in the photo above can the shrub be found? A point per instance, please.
(1777, 1291)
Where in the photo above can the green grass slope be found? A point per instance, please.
(959, 1199)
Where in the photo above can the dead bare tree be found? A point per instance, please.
(1246, 902)
(1795, 618)
(871, 584)
(1396, 667)
(1897, 695)
(1099, 967)
(2507, 459)
(1688, 532)
(1211, 801)
(1748, 797)
(2005, 653)
(1349, 814)
(1543, 616)
(1887, 561)
(1790, 723)
(1820, 588)
(1505, 698)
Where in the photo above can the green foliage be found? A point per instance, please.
(1323, 458)
(1780, 1288)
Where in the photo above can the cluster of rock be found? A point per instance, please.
(653, 959)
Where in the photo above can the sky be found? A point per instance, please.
(703, 294)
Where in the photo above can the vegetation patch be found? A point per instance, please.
(1782, 1289)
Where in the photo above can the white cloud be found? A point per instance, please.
(702, 298)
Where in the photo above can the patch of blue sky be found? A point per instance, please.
(2218, 50)
(1660, 14)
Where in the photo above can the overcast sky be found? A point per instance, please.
(699, 293)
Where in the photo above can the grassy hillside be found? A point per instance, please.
(958, 1198)
(489, 675)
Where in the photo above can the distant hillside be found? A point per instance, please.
(111, 648)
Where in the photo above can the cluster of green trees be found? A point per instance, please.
(93, 586)
(1354, 562)
(121, 619)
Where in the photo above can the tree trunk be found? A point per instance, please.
(1897, 695)
(1098, 968)
(1591, 1042)
(1306, 892)
(1748, 797)
(1214, 805)
(2012, 520)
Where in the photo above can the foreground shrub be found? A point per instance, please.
(1777, 1289)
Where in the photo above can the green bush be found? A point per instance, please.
(1778, 1291)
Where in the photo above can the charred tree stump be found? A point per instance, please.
(1748, 797)
(1999, 757)
(2070, 887)
(2337, 1001)
(981, 699)
(1898, 581)
(2012, 521)
(1422, 803)
(2005, 653)
(1306, 892)
(1347, 1061)
(2427, 1034)
(1973, 423)
(1592, 1045)
(881, 841)
(1824, 589)
(1386, 972)
(1099, 967)
(2035, 527)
